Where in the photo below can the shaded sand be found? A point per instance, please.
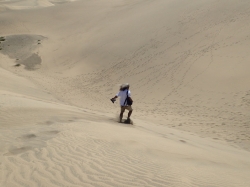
(23, 48)
(187, 63)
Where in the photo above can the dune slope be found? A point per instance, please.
(186, 62)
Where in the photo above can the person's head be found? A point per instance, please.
(124, 86)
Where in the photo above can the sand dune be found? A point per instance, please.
(85, 155)
(187, 63)
(29, 4)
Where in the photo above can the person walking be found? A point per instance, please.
(125, 101)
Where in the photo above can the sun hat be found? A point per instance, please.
(125, 85)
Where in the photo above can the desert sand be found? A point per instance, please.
(188, 66)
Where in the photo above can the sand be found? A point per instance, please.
(187, 64)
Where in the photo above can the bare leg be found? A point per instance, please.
(129, 113)
(121, 115)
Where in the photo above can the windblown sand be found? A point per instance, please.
(188, 66)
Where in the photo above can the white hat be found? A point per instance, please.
(125, 85)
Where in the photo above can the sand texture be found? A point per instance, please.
(188, 66)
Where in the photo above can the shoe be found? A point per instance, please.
(127, 120)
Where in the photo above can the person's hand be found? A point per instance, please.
(113, 100)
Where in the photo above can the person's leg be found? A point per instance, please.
(121, 114)
(130, 111)
(129, 114)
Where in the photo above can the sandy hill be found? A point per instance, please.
(186, 62)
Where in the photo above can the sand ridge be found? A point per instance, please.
(29, 4)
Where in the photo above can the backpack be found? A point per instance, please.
(128, 100)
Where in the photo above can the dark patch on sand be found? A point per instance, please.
(24, 48)
(49, 122)
(31, 62)
(46, 123)
(16, 151)
(51, 132)
(27, 137)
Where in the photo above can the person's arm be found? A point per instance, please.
(115, 97)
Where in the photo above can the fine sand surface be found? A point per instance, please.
(188, 66)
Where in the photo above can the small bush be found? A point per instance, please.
(2, 39)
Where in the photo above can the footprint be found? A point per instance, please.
(16, 151)
(51, 132)
(49, 122)
(27, 137)
(183, 141)
(46, 123)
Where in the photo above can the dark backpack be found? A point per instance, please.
(128, 100)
